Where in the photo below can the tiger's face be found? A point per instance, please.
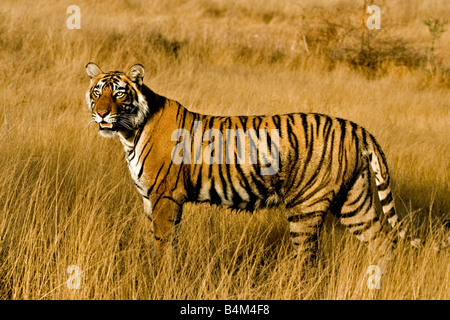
(115, 99)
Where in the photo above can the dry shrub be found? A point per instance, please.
(341, 36)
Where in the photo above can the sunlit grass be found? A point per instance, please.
(66, 197)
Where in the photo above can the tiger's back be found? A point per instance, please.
(313, 152)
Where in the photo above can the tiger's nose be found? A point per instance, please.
(102, 113)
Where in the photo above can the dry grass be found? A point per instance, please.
(66, 197)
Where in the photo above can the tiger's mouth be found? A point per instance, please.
(106, 126)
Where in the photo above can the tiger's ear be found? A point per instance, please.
(93, 70)
(137, 73)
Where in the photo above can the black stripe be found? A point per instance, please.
(228, 122)
(138, 187)
(210, 125)
(390, 213)
(276, 151)
(191, 129)
(342, 156)
(356, 200)
(383, 186)
(365, 225)
(172, 199)
(243, 120)
(317, 118)
(198, 185)
(157, 201)
(387, 200)
(198, 155)
(178, 111)
(223, 181)
(277, 122)
(135, 142)
(180, 169)
(247, 187)
(236, 197)
(364, 138)
(292, 139)
(185, 111)
(262, 190)
(305, 128)
(257, 123)
(154, 182)
(143, 149)
(301, 216)
(214, 197)
(141, 170)
(357, 210)
(354, 136)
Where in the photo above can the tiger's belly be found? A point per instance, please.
(224, 186)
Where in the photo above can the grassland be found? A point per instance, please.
(66, 197)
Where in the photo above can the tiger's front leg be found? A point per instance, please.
(305, 224)
(164, 213)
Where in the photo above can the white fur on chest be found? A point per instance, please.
(139, 181)
(132, 158)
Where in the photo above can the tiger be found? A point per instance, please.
(316, 164)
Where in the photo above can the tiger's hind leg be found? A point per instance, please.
(359, 213)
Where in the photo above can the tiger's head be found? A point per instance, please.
(115, 99)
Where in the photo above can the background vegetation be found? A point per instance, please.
(66, 197)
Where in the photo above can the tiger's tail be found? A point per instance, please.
(378, 164)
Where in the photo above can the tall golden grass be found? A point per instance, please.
(66, 197)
